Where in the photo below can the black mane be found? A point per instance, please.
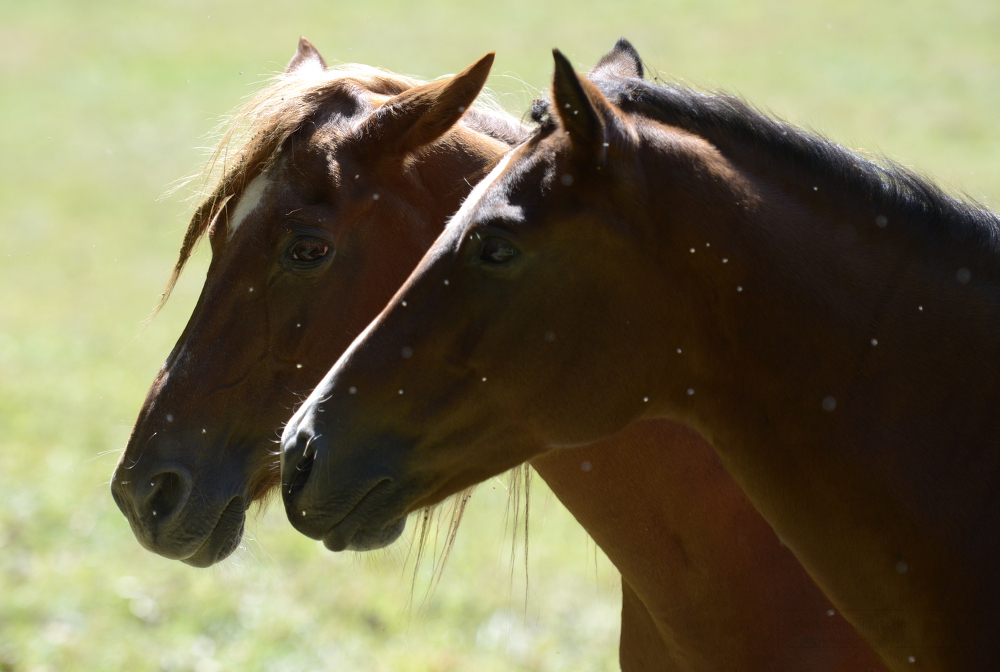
(724, 119)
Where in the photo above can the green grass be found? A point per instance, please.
(103, 105)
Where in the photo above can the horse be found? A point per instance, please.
(827, 322)
(313, 278)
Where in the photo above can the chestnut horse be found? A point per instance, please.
(312, 246)
(829, 324)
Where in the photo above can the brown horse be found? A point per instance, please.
(313, 246)
(828, 323)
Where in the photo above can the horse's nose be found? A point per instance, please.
(297, 459)
(150, 502)
(296, 468)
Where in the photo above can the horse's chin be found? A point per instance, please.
(364, 538)
(224, 538)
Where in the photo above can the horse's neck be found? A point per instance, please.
(816, 301)
(848, 377)
(695, 552)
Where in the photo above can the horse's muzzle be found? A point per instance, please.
(158, 506)
(348, 509)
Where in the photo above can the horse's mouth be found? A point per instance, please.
(224, 538)
(366, 526)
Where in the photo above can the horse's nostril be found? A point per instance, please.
(168, 492)
(296, 481)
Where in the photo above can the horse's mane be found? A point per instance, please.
(725, 119)
(253, 135)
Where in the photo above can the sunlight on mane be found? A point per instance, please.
(251, 137)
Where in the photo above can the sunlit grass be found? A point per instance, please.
(103, 105)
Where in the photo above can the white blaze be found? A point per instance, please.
(249, 200)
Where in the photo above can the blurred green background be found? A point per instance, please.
(103, 104)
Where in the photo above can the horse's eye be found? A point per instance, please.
(497, 251)
(309, 250)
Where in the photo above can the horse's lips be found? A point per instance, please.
(355, 532)
(223, 539)
(335, 541)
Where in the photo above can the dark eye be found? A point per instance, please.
(497, 251)
(308, 250)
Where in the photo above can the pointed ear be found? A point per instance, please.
(423, 114)
(578, 104)
(306, 59)
(623, 61)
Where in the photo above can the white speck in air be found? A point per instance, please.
(645, 399)
(739, 288)
(830, 612)
(550, 336)
(829, 403)
(352, 390)
(586, 466)
(874, 341)
(678, 351)
(303, 514)
(566, 179)
(251, 289)
(606, 144)
(298, 366)
(911, 659)
(725, 261)
(881, 222)
(692, 250)
(920, 308)
(404, 304)
(400, 391)
(901, 567)
(356, 176)
(461, 108)
(203, 431)
(298, 325)
(446, 282)
(963, 275)
(690, 391)
(815, 188)
(375, 197)
(407, 352)
(170, 417)
(329, 157)
(708, 244)
(154, 513)
(484, 379)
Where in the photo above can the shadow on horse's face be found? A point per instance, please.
(305, 253)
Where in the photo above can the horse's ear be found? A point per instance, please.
(421, 115)
(306, 59)
(623, 61)
(577, 104)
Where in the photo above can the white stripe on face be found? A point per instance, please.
(458, 219)
(249, 200)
